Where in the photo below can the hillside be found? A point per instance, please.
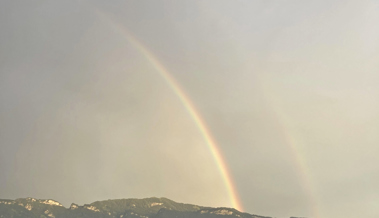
(120, 208)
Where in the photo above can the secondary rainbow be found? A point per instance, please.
(290, 136)
(187, 103)
(293, 142)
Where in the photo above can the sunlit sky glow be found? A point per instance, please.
(270, 103)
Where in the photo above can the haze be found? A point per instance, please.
(289, 90)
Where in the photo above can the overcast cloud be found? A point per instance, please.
(289, 90)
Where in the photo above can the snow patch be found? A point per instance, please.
(48, 213)
(51, 202)
(28, 207)
(7, 202)
(31, 199)
(74, 206)
(92, 208)
(218, 212)
(222, 212)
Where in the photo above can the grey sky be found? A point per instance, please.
(289, 90)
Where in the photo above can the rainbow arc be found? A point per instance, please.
(189, 106)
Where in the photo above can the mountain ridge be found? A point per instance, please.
(115, 208)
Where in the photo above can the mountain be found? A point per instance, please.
(120, 208)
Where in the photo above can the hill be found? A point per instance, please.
(120, 208)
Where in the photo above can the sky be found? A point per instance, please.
(287, 89)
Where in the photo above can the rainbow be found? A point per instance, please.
(291, 137)
(293, 142)
(189, 106)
